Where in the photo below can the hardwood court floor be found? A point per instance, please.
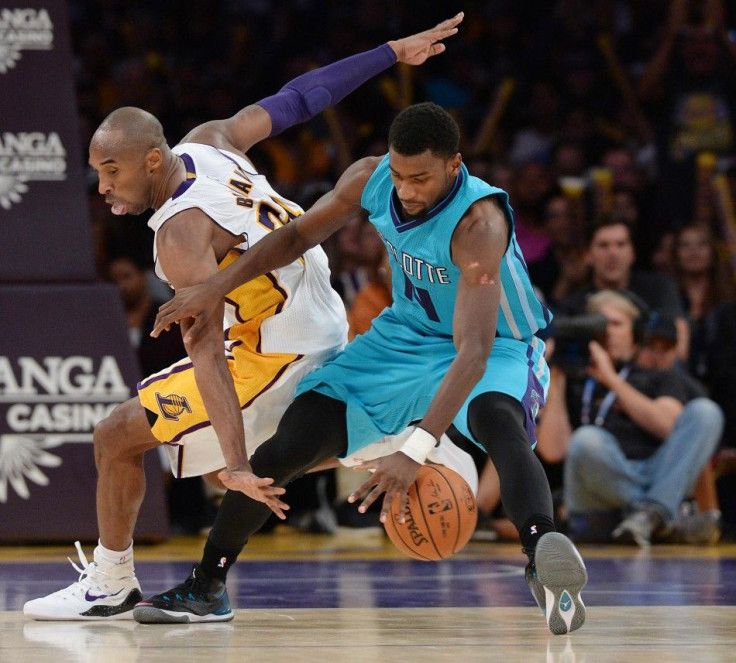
(352, 598)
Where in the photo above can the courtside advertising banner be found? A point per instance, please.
(44, 220)
(59, 376)
(65, 357)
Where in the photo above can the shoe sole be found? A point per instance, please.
(74, 617)
(99, 610)
(561, 570)
(147, 614)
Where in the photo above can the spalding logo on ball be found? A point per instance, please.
(441, 517)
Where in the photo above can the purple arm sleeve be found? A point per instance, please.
(309, 94)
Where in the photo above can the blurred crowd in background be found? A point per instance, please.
(589, 113)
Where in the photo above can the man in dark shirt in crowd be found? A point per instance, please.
(633, 449)
(611, 257)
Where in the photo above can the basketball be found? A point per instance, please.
(441, 516)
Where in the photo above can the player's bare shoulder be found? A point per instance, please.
(235, 134)
(352, 182)
(360, 171)
(484, 227)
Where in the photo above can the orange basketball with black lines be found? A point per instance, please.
(441, 517)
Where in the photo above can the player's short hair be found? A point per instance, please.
(422, 127)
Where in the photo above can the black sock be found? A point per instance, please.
(216, 562)
(532, 530)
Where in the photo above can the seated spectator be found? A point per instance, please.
(721, 363)
(347, 263)
(633, 449)
(701, 525)
(661, 258)
(531, 184)
(611, 259)
(721, 367)
(129, 273)
(562, 270)
(375, 295)
(704, 284)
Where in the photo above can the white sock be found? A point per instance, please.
(114, 557)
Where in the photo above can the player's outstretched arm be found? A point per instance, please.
(309, 94)
(277, 249)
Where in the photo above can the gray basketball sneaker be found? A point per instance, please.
(561, 571)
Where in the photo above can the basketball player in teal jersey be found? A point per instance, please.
(458, 346)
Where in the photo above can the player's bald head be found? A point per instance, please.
(130, 128)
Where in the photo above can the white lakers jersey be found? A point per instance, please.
(292, 309)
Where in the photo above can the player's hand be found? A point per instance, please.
(393, 475)
(417, 48)
(198, 301)
(255, 487)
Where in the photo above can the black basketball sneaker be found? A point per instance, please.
(198, 599)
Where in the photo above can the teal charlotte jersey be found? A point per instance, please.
(388, 376)
(424, 277)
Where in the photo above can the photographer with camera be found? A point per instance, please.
(632, 450)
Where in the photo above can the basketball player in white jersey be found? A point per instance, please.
(212, 409)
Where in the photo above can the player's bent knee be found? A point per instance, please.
(125, 431)
(494, 417)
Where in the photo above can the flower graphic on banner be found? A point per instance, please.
(20, 458)
(11, 189)
(9, 55)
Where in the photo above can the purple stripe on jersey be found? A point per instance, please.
(520, 257)
(191, 176)
(149, 381)
(191, 429)
(279, 289)
(402, 226)
(273, 381)
(229, 349)
(236, 306)
(546, 313)
(532, 400)
(180, 462)
(229, 158)
(279, 306)
(240, 166)
(203, 424)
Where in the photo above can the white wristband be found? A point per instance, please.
(418, 445)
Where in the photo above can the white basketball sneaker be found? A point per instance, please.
(103, 591)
